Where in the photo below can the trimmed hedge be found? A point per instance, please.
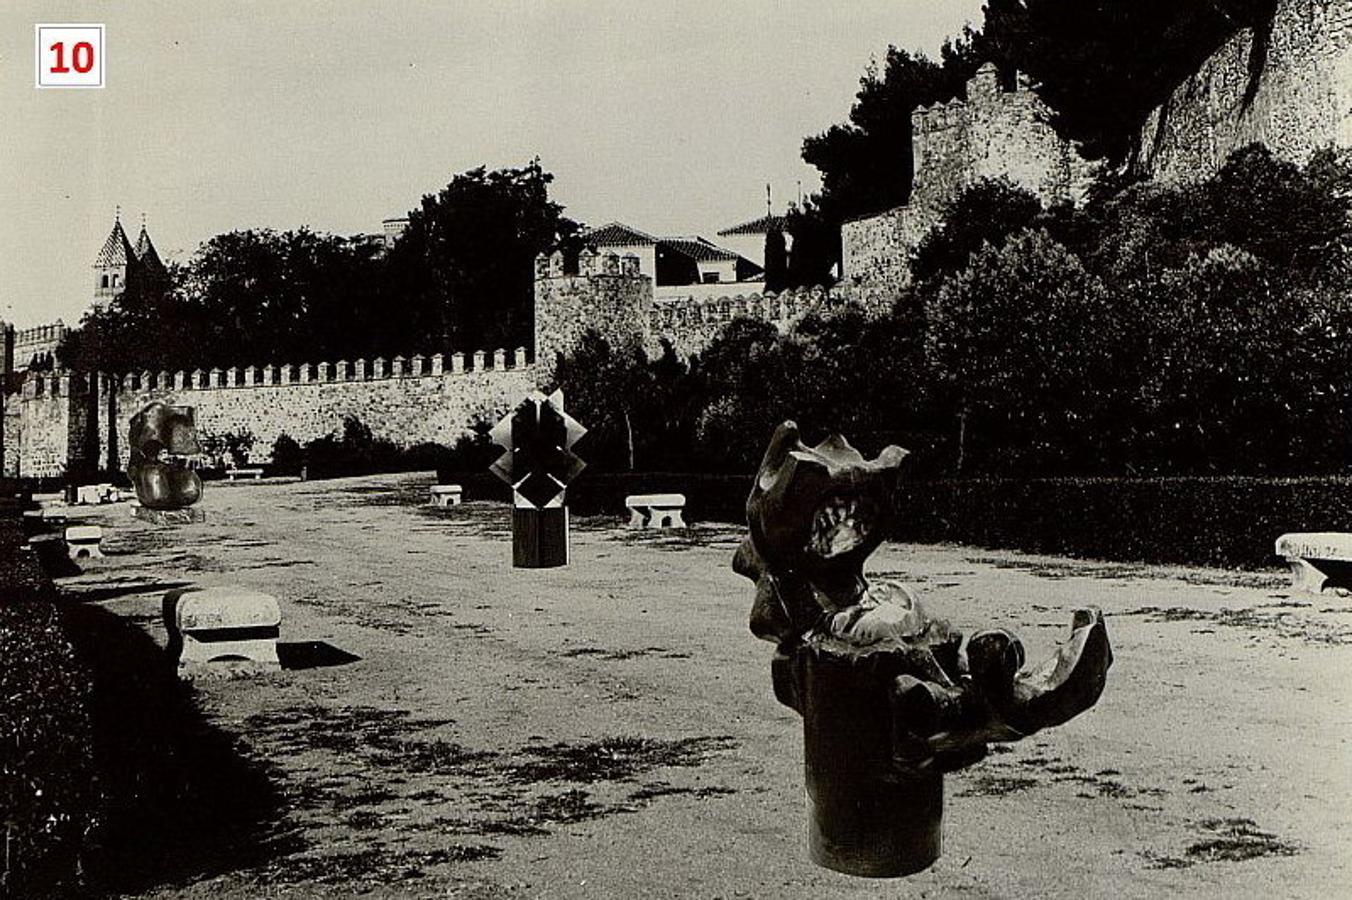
(1225, 521)
(1229, 522)
(708, 498)
(48, 793)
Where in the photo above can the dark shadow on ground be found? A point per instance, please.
(128, 589)
(312, 655)
(51, 551)
(179, 801)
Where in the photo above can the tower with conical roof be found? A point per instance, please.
(110, 266)
(146, 255)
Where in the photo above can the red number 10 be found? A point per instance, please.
(81, 57)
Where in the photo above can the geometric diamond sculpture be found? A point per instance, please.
(538, 462)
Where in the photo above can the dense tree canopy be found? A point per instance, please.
(1160, 330)
(865, 164)
(1100, 65)
(460, 278)
(465, 265)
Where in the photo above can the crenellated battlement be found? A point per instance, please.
(40, 334)
(340, 372)
(57, 383)
(784, 307)
(590, 264)
(984, 91)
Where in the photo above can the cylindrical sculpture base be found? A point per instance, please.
(539, 537)
(865, 816)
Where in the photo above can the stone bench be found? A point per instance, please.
(38, 521)
(236, 474)
(222, 624)
(655, 510)
(84, 540)
(446, 495)
(90, 494)
(1318, 560)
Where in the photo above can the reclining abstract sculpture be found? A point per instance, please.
(891, 698)
(160, 439)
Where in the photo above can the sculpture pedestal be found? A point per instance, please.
(539, 537)
(866, 815)
(190, 515)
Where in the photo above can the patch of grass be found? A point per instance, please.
(995, 785)
(1228, 840)
(618, 655)
(1235, 840)
(377, 865)
(662, 789)
(611, 759)
(1284, 624)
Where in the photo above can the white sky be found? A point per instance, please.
(670, 116)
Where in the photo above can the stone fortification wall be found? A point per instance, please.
(11, 434)
(621, 308)
(42, 415)
(992, 134)
(692, 323)
(615, 305)
(1288, 87)
(36, 341)
(876, 250)
(407, 401)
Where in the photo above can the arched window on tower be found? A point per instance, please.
(105, 281)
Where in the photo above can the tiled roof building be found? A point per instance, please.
(682, 260)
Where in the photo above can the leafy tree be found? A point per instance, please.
(776, 260)
(464, 268)
(816, 246)
(267, 296)
(1103, 65)
(604, 388)
(985, 212)
(865, 164)
(1019, 342)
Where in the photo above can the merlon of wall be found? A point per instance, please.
(416, 366)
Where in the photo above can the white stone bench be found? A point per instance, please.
(222, 624)
(44, 519)
(655, 510)
(89, 494)
(235, 474)
(446, 495)
(84, 540)
(1318, 559)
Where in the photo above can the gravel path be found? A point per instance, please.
(450, 726)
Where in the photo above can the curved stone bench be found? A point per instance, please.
(655, 510)
(1318, 560)
(446, 495)
(84, 540)
(219, 624)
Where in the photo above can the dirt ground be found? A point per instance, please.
(449, 726)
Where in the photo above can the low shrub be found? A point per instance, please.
(48, 794)
(1226, 522)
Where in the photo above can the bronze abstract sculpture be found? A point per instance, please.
(160, 439)
(891, 697)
